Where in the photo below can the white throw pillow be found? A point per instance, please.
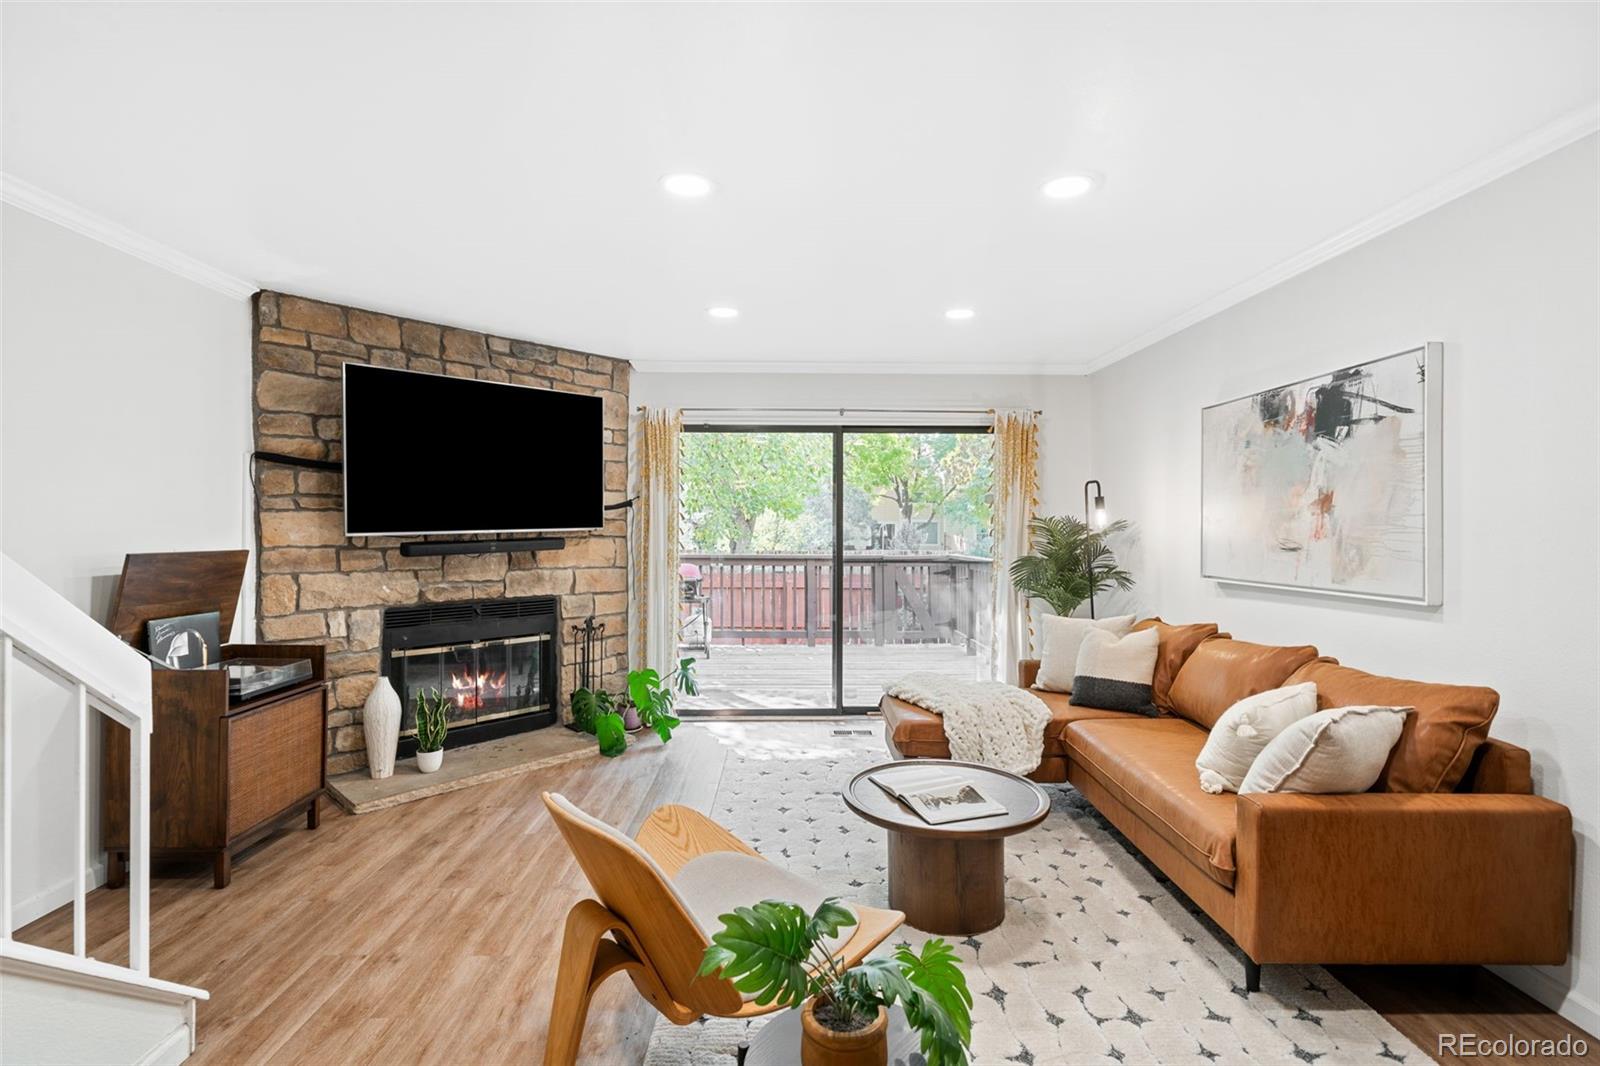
(1115, 673)
(1245, 729)
(1342, 749)
(1058, 656)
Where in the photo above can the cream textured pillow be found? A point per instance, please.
(1342, 749)
(1058, 657)
(1245, 729)
(1115, 673)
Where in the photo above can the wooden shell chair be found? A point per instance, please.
(645, 920)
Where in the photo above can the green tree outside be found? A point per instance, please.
(772, 492)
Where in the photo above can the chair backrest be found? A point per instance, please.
(633, 887)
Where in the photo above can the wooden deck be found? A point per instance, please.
(800, 678)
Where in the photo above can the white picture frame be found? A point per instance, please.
(1268, 500)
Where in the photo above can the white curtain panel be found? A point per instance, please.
(655, 540)
(1016, 500)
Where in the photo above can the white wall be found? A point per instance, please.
(1507, 278)
(124, 427)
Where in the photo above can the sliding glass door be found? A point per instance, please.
(756, 565)
(772, 515)
(916, 560)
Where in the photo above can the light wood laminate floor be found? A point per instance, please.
(429, 933)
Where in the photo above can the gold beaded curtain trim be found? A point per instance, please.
(658, 489)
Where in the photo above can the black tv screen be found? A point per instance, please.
(424, 453)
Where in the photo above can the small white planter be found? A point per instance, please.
(429, 761)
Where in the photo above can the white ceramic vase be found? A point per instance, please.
(429, 761)
(380, 721)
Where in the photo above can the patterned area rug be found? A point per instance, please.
(1100, 959)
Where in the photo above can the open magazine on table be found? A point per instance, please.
(939, 796)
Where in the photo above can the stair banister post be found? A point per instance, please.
(139, 847)
(7, 675)
(80, 852)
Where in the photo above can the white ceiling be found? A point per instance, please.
(497, 166)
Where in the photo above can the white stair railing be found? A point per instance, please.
(42, 629)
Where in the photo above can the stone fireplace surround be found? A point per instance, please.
(317, 585)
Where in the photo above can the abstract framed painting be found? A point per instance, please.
(1330, 484)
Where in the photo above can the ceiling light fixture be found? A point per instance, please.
(723, 312)
(1070, 186)
(959, 314)
(689, 186)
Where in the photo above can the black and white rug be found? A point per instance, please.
(1100, 959)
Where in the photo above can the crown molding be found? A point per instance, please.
(811, 366)
(52, 208)
(1538, 144)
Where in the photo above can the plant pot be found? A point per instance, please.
(630, 718)
(429, 761)
(380, 722)
(821, 1046)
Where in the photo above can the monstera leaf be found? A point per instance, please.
(930, 988)
(764, 949)
(584, 710)
(611, 733)
(687, 683)
(937, 972)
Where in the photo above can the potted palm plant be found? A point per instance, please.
(1068, 563)
(774, 951)
(432, 725)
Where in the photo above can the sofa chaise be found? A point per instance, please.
(1449, 858)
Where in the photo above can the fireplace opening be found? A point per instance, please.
(495, 661)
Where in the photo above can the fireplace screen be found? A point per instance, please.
(484, 680)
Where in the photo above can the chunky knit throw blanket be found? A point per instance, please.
(987, 722)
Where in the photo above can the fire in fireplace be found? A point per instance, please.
(472, 691)
(496, 660)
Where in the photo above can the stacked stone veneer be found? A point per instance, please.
(317, 585)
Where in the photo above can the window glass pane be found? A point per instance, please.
(756, 568)
(917, 558)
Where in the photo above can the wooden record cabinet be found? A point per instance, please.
(223, 775)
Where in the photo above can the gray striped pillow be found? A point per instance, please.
(1115, 673)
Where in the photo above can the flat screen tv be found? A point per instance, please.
(426, 454)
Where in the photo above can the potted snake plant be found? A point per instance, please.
(432, 725)
(774, 951)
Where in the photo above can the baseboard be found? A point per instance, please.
(57, 895)
(171, 1051)
(1572, 1005)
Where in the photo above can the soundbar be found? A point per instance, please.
(481, 547)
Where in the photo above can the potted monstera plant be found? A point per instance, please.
(774, 951)
(650, 698)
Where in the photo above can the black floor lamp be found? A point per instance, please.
(1095, 519)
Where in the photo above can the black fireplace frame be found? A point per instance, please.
(429, 624)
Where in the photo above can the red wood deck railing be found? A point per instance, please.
(889, 598)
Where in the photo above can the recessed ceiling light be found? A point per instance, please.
(723, 312)
(959, 314)
(1070, 186)
(687, 185)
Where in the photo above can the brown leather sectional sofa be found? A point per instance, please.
(1449, 858)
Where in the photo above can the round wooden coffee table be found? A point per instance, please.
(949, 878)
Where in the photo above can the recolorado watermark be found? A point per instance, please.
(1474, 1045)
